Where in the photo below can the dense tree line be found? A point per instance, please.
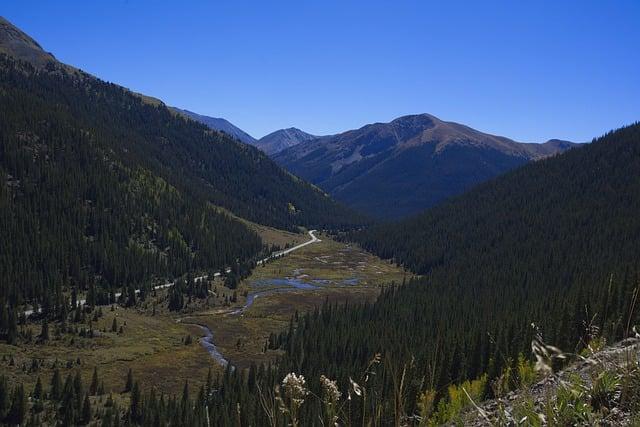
(99, 189)
(554, 244)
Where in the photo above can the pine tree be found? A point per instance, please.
(56, 386)
(135, 409)
(12, 330)
(5, 398)
(18, 408)
(86, 410)
(93, 388)
(68, 405)
(129, 382)
(77, 384)
(44, 335)
(37, 390)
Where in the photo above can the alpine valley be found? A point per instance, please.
(161, 267)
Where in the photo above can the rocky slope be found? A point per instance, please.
(399, 168)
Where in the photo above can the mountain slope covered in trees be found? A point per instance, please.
(554, 243)
(100, 186)
(395, 169)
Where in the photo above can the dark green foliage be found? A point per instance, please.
(100, 190)
(44, 335)
(129, 381)
(93, 388)
(18, 408)
(135, 410)
(37, 390)
(553, 244)
(56, 386)
(86, 410)
(5, 397)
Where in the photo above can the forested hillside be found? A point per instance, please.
(553, 244)
(98, 185)
(545, 253)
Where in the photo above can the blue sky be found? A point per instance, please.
(529, 70)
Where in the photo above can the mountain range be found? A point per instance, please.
(386, 170)
(395, 169)
(271, 144)
(218, 124)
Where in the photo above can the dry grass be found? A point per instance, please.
(241, 338)
(150, 345)
(153, 345)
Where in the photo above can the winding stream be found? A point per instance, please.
(286, 285)
(207, 343)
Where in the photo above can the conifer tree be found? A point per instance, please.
(93, 388)
(56, 386)
(5, 397)
(44, 335)
(12, 328)
(18, 408)
(134, 408)
(129, 381)
(37, 390)
(86, 410)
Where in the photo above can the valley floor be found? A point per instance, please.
(164, 348)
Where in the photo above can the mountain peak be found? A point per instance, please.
(408, 164)
(283, 139)
(16, 43)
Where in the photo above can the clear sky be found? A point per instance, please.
(529, 70)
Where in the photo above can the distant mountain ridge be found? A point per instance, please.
(218, 124)
(282, 139)
(394, 169)
(270, 144)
